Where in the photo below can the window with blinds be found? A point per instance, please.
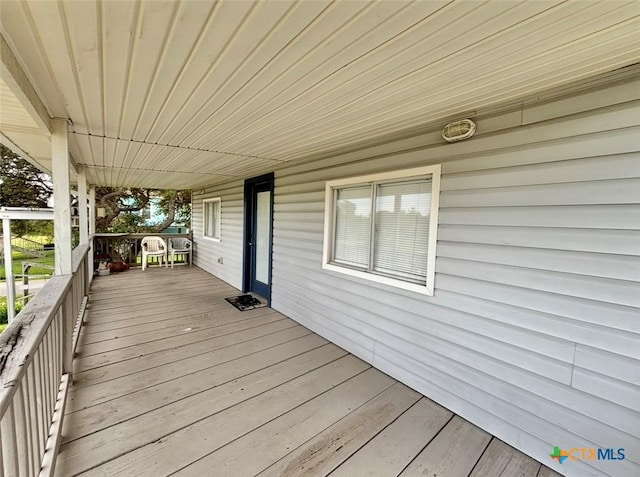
(211, 216)
(401, 230)
(353, 226)
(382, 227)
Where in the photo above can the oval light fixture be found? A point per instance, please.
(459, 130)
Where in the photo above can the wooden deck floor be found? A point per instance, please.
(172, 380)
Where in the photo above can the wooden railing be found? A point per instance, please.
(124, 247)
(36, 355)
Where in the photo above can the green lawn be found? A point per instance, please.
(3, 311)
(19, 257)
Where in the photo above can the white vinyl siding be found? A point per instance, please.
(532, 332)
(220, 258)
(382, 227)
(211, 210)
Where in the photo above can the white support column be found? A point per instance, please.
(60, 168)
(8, 268)
(92, 211)
(92, 228)
(83, 215)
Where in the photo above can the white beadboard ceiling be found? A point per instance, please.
(184, 94)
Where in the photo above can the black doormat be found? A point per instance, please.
(245, 302)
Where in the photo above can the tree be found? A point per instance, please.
(21, 183)
(24, 185)
(123, 206)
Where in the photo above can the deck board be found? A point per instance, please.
(170, 453)
(454, 451)
(171, 379)
(547, 472)
(329, 448)
(216, 348)
(500, 460)
(230, 367)
(187, 326)
(215, 414)
(255, 327)
(397, 444)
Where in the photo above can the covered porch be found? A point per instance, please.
(535, 302)
(169, 378)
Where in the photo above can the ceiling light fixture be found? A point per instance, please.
(459, 130)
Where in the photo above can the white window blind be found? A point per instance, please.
(212, 218)
(353, 226)
(399, 243)
(401, 238)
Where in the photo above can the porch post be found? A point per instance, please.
(83, 215)
(83, 223)
(60, 168)
(8, 270)
(92, 228)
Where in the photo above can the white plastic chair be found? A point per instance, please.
(153, 247)
(180, 246)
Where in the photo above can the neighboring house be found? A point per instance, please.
(497, 275)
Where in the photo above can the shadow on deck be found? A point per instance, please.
(171, 379)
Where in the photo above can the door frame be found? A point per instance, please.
(249, 218)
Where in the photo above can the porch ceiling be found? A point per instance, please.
(187, 94)
(17, 127)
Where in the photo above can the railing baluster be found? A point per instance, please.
(58, 344)
(42, 429)
(60, 320)
(74, 295)
(46, 389)
(85, 277)
(21, 430)
(46, 396)
(31, 447)
(10, 443)
(53, 379)
(1, 457)
(67, 350)
(33, 412)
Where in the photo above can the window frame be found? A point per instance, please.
(217, 200)
(331, 188)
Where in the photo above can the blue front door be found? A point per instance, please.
(258, 236)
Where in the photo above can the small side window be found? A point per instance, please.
(211, 214)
